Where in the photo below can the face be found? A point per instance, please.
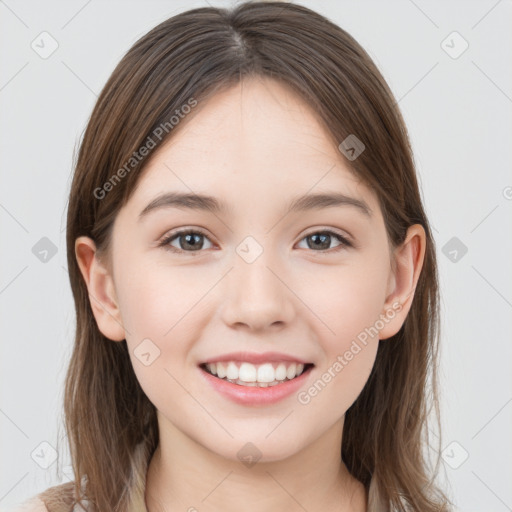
(252, 276)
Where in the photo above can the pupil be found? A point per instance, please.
(190, 237)
(318, 243)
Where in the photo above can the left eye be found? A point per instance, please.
(321, 239)
(193, 241)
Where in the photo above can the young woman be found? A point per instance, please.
(254, 277)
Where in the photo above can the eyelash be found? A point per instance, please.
(166, 241)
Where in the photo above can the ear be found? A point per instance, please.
(408, 262)
(100, 286)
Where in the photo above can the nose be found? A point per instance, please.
(256, 296)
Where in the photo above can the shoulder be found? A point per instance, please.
(59, 498)
(34, 504)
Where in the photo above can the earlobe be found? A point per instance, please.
(409, 257)
(100, 287)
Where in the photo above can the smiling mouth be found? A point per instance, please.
(262, 376)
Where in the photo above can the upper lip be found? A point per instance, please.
(256, 358)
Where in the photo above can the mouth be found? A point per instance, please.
(256, 375)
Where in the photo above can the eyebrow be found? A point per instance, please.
(208, 203)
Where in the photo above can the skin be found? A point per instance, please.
(255, 146)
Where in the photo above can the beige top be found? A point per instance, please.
(36, 504)
(59, 499)
(137, 498)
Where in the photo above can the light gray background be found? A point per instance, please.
(458, 111)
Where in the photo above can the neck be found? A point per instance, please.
(183, 475)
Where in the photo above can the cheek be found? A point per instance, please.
(156, 300)
(158, 306)
(349, 347)
(338, 383)
(346, 299)
(164, 305)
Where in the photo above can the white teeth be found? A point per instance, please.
(250, 384)
(232, 371)
(281, 372)
(290, 372)
(255, 375)
(221, 370)
(266, 373)
(248, 372)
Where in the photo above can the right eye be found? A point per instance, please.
(189, 241)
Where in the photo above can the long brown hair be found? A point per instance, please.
(110, 423)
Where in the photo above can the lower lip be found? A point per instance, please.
(252, 395)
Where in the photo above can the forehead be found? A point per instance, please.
(255, 144)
